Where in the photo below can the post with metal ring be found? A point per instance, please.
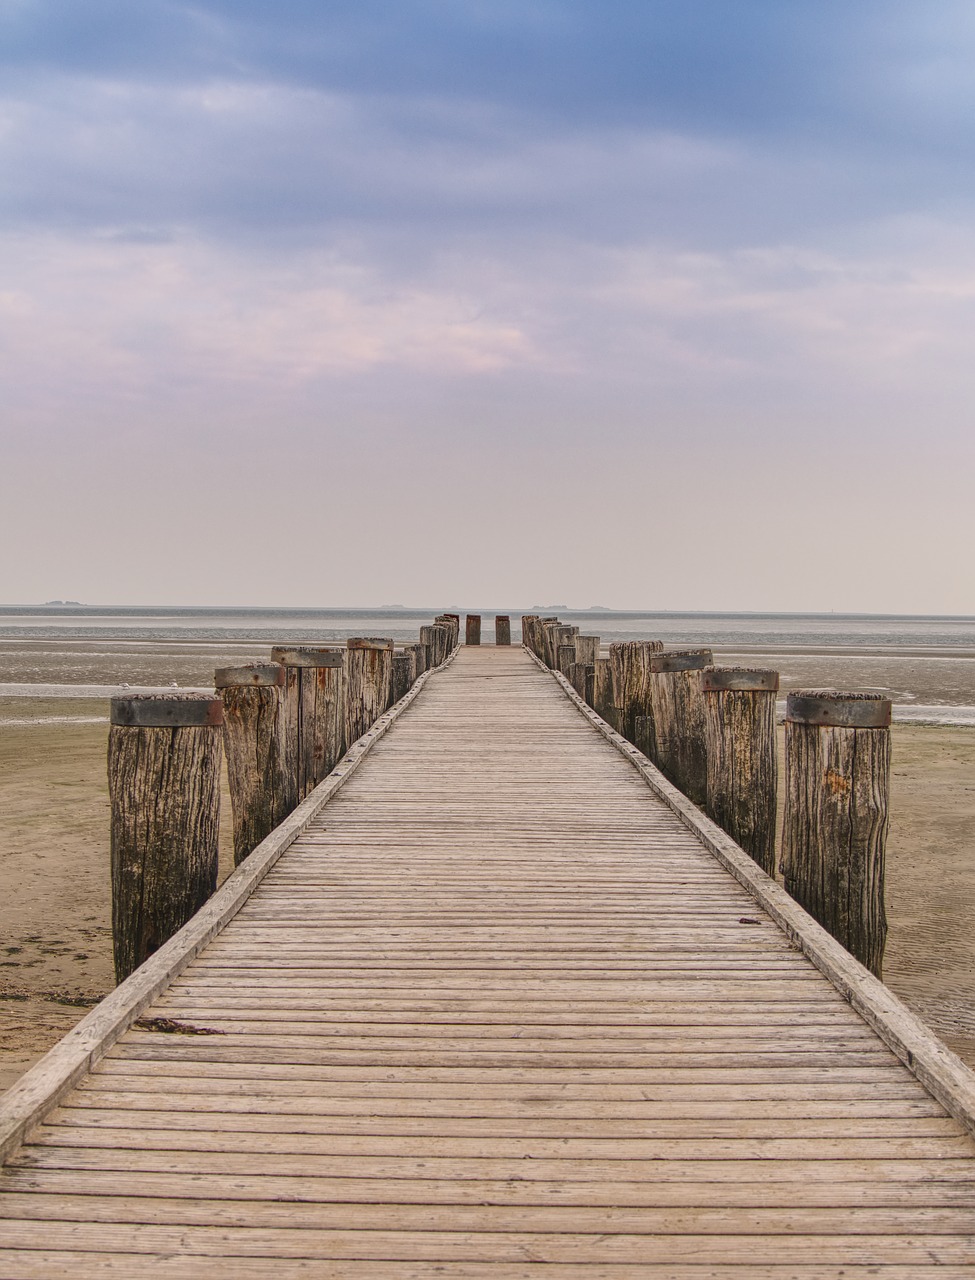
(369, 683)
(314, 712)
(164, 757)
(739, 713)
(837, 772)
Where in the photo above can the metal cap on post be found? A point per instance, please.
(166, 710)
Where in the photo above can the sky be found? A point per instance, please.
(635, 303)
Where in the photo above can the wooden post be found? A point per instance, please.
(547, 654)
(559, 635)
(565, 659)
(402, 675)
(502, 629)
(453, 622)
(446, 643)
(643, 729)
(418, 652)
(530, 625)
(369, 683)
(473, 635)
(602, 691)
(587, 649)
(579, 674)
(262, 791)
(164, 757)
(837, 768)
(739, 714)
(427, 641)
(677, 733)
(631, 682)
(315, 713)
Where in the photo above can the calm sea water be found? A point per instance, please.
(927, 664)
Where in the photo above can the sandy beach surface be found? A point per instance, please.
(55, 908)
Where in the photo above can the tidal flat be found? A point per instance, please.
(55, 904)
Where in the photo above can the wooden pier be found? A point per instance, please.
(505, 1006)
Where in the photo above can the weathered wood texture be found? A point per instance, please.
(314, 719)
(587, 649)
(739, 713)
(835, 821)
(368, 682)
(402, 675)
(164, 794)
(630, 666)
(565, 658)
(452, 622)
(473, 632)
(602, 691)
(497, 1013)
(581, 675)
(530, 632)
(262, 792)
(502, 629)
(556, 635)
(678, 731)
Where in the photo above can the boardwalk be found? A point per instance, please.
(497, 1013)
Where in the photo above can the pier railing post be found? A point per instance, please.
(502, 630)
(581, 676)
(369, 683)
(565, 659)
(587, 649)
(739, 712)
(473, 632)
(679, 746)
(630, 661)
(837, 769)
(262, 791)
(164, 757)
(602, 691)
(402, 675)
(315, 712)
(530, 623)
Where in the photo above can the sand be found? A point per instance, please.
(55, 906)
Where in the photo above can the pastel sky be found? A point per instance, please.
(639, 303)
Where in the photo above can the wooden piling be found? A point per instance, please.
(402, 675)
(587, 649)
(739, 713)
(565, 658)
(837, 770)
(580, 677)
(473, 632)
(262, 790)
(530, 627)
(630, 661)
(164, 757)
(643, 735)
(369, 683)
(602, 691)
(315, 696)
(677, 734)
(502, 629)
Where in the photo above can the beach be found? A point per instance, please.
(55, 909)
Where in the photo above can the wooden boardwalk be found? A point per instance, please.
(497, 1013)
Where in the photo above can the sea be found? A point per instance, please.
(61, 651)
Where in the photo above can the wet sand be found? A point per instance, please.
(55, 907)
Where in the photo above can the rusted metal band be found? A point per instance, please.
(739, 679)
(167, 711)
(369, 642)
(681, 660)
(838, 710)
(307, 657)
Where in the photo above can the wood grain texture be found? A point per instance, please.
(502, 629)
(262, 793)
(499, 1008)
(630, 667)
(835, 829)
(368, 683)
(165, 819)
(677, 731)
(742, 774)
